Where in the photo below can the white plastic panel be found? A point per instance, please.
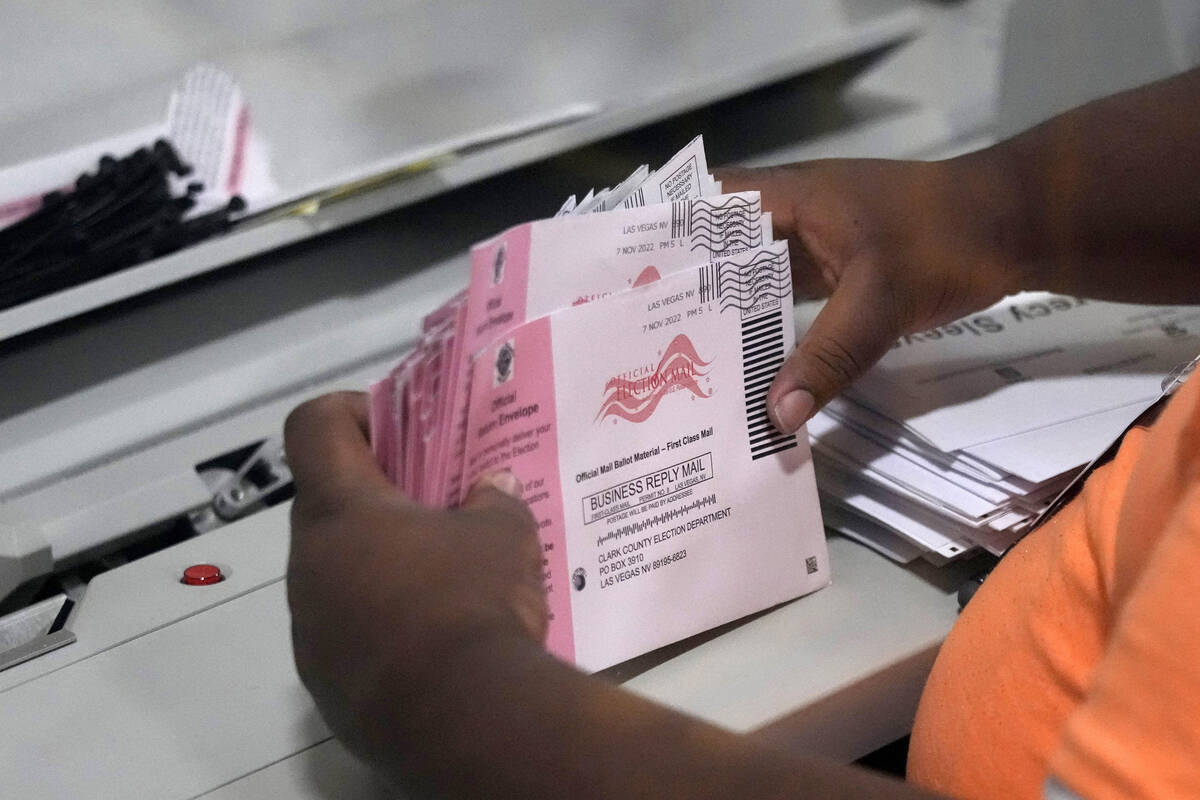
(339, 97)
(145, 595)
(213, 702)
(170, 714)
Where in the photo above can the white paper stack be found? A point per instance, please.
(963, 435)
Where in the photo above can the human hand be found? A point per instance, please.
(385, 593)
(419, 632)
(898, 247)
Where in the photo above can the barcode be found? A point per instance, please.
(635, 200)
(681, 219)
(710, 284)
(762, 355)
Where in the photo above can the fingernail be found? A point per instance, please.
(793, 410)
(505, 481)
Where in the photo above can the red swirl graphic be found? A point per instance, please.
(635, 399)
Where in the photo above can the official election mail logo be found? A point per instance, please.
(635, 394)
(646, 276)
(504, 363)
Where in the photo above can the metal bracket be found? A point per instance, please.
(243, 491)
(32, 631)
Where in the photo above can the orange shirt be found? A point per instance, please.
(1079, 657)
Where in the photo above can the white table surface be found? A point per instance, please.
(175, 691)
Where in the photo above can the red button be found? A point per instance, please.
(202, 575)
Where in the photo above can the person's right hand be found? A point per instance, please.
(898, 247)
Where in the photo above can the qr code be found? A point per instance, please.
(810, 565)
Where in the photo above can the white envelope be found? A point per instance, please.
(1031, 361)
(869, 533)
(970, 497)
(685, 175)
(921, 526)
(666, 501)
(1042, 454)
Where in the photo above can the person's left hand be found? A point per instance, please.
(385, 593)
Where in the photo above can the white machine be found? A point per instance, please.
(139, 413)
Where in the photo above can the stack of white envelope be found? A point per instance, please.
(963, 435)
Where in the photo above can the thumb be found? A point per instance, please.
(499, 490)
(852, 332)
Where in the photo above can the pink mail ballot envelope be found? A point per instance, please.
(546, 265)
(667, 503)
